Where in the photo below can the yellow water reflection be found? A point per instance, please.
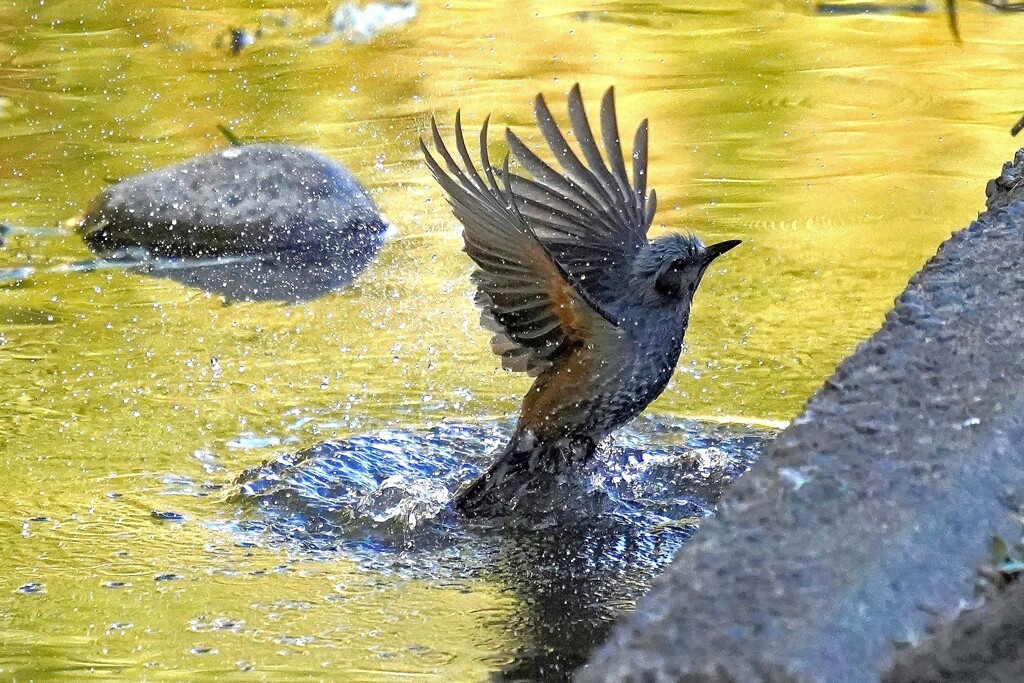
(842, 150)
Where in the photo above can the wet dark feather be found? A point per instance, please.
(554, 250)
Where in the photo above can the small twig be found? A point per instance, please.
(233, 139)
(954, 24)
(1018, 127)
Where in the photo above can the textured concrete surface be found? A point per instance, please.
(867, 522)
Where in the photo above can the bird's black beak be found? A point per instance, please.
(715, 250)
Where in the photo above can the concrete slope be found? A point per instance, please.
(866, 523)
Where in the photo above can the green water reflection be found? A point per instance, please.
(842, 150)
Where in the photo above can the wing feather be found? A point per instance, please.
(588, 215)
(652, 208)
(574, 168)
(585, 137)
(613, 149)
(640, 163)
(536, 309)
(547, 177)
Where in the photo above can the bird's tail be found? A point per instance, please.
(522, 464)
(498, 487)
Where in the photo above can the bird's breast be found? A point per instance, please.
(596, 391)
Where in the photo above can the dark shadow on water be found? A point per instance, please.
(575, 557)
(855, 8)
(276, 277)
(572, 580)
(263, 278)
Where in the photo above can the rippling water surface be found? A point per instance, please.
(841, 149)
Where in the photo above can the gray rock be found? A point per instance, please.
(303, 222)
(979, 645)
(866, 523)
(1009, 186)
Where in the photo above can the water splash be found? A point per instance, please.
(390, 490)
(383, 491)
(354, 24)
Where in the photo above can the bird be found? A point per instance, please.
(574, 292)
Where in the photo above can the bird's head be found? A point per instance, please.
(670, 267)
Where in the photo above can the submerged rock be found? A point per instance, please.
(865, 526)
(851, 8)
(237, 39)
(266, 221)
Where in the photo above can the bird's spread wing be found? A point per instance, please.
(533, 304)
(588, 215)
